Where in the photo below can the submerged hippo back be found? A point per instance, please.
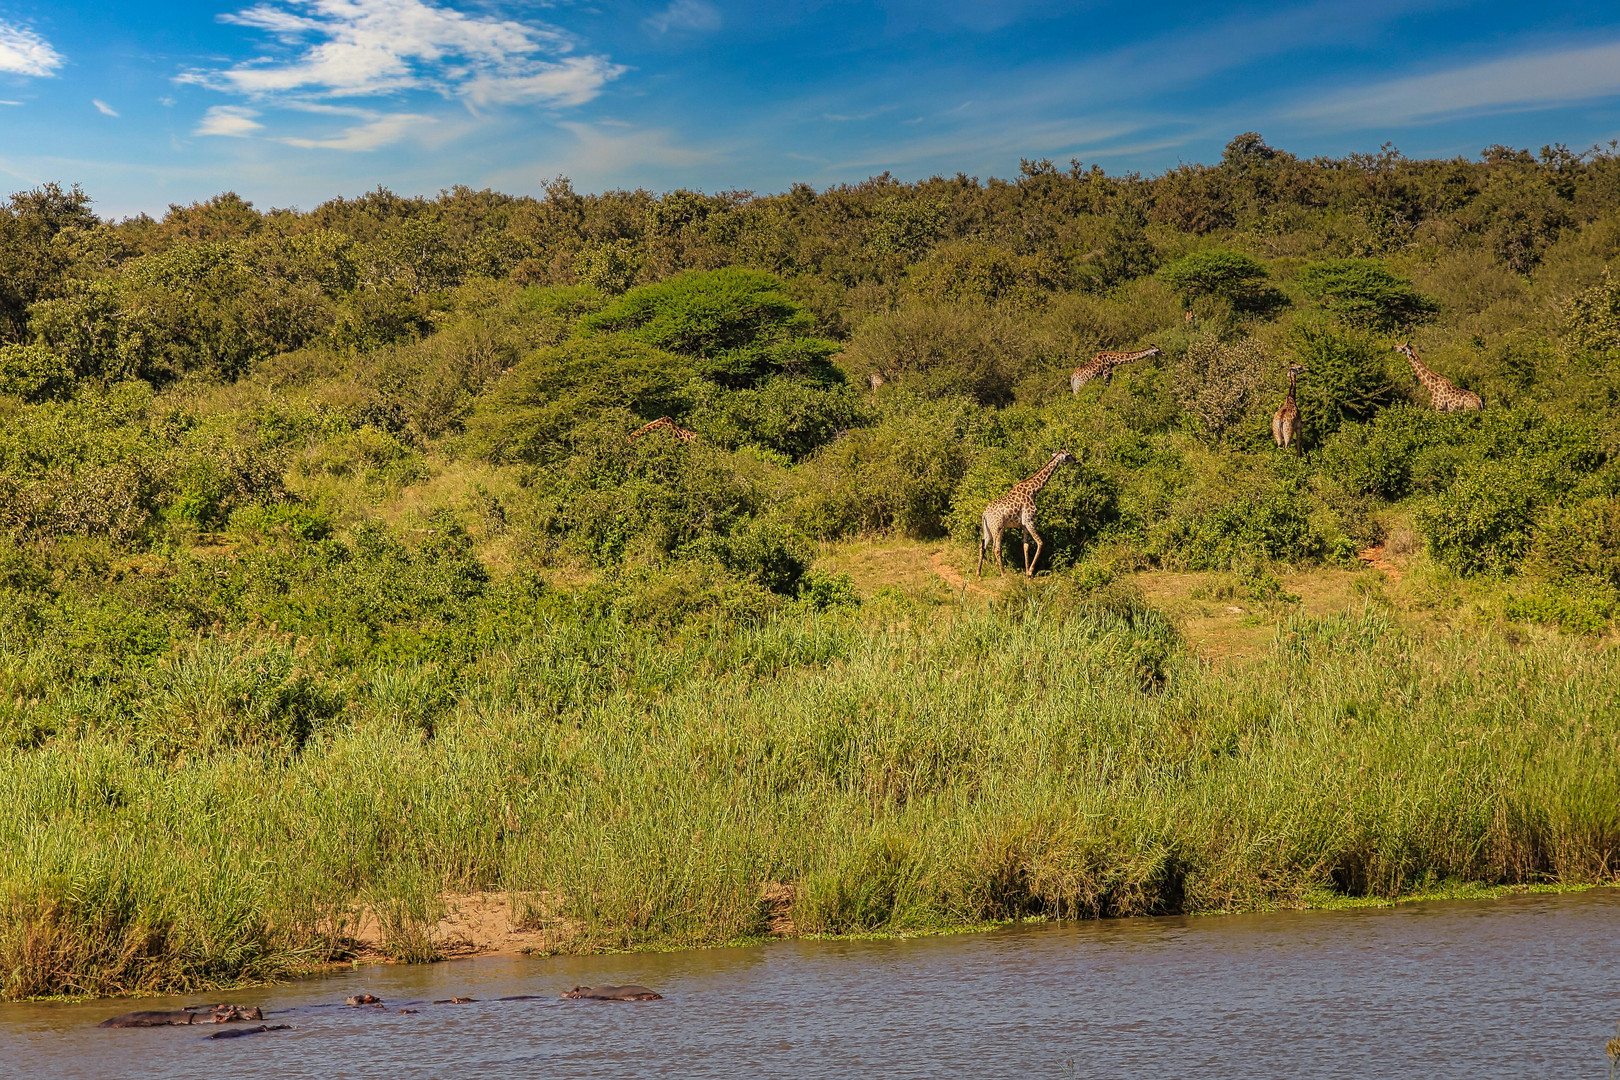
(613, 993)
(203, 1014)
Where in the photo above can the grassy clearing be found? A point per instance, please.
(912, 766)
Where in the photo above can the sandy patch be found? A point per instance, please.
(474, 924)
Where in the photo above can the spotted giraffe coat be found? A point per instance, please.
(663, 423)
(1285, 424)
(1016, 507)
(1443, 393)
(1104, 364)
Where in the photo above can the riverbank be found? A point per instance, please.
(909, 766)
(1525, 979)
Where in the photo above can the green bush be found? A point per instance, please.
(1584, 605)
(1347, 378)
(739, 325)
(1592, 324)
(1579, 541)
(974, 272)
(1218, 384)
(616, 502)
(1384, 457)
(788, 416)
(1365, 294)
(1232, 276)
(34, 373)
(899, 473)
(941, 350)
(1244, 527)
(822, 591)
(1483, 522)
(532, 414)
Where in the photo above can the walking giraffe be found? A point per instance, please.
(1104, 365)
(1285, 424)
(1443, 393)
(1018, 505)
(663, 423)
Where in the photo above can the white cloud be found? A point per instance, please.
(573, 80)
(23, 52)
(376, 132)
(692, 16)
(1537, 80)
(103, 108)
(368, 48)
(231, 120)
(10, 103)
(598, 152)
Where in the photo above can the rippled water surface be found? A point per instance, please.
(1519, 987)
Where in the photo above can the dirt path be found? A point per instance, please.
(1375, 558)
(956, 581)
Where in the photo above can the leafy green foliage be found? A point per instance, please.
(1236, 278)
(979, 273)
(531, 414)
(1481, 523)
(941, 350)
(1365, 294)
(1347, 378)
(34, 373)
(1592, 323)
(739, 325)
(900, 473)
(1579, 540)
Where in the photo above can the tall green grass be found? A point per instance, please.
(904, 768)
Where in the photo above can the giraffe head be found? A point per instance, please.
(1061, 456)
(1187, 318)
(1406, 350)
(1296, 370)
(1153, 350)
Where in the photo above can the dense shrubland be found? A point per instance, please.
(328, 576)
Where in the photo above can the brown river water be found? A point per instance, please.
(1524, 986)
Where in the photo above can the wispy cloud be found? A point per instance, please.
(103, 108)
(370, 48)
(23, 52)
(1004, 140)
(230, 120)
(600, 152)
(688, 16)
(376, 132)
(1533, 81)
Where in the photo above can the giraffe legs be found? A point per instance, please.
(1028, 523)
(988, 538)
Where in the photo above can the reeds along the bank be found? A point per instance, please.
(933, 772)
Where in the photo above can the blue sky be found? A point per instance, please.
(290, 102)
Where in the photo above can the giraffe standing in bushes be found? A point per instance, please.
(663, 423)
(1443, 393)
(1285, 424)
(1018, 505)
(1105, 363)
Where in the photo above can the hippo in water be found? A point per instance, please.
(613, 993)
(236, 1033)
(362, 999)
(195, 1014)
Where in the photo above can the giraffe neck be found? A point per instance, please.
(1291, 378)
(1424, 375)
(1038, 481)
